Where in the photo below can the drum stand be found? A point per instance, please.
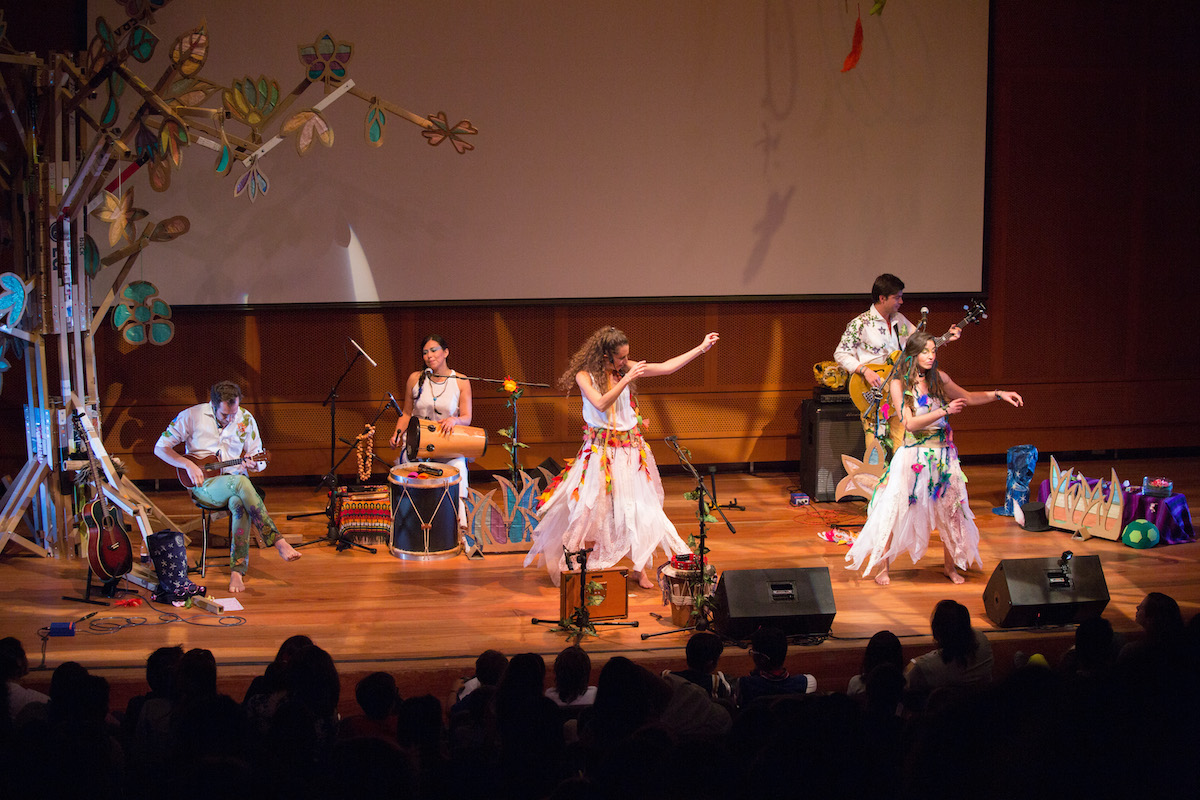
(704, 619)
(580, 621)
(732, 505)
(331, 532)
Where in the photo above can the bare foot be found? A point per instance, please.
(882, 577)
(286, 551)
(236, 584)
(951, 573)
(642, 580)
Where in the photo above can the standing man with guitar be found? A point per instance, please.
(874, 335)
(222, 431)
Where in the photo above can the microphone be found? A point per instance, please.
(425, 469)
(395, 405)
(672, 440)
(364, 352)
(924, 318)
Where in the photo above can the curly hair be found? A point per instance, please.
(909, 368)
(595, 358)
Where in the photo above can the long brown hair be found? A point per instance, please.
(595, 358)
(909, 369)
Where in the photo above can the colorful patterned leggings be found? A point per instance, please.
(236, 493)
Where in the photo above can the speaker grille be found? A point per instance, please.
(828, 431)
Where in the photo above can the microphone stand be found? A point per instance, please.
(332, 534)
(514, 446)
(580, 621)
(698, 585)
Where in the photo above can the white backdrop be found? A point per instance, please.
(626, 148)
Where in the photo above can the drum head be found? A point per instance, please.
(407, 475)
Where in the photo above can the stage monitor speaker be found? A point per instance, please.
(797, 600)
(827, 431)
(1027, 592)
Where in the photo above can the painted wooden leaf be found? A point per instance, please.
(190, 51)
(135, 334)
(142, 43)
(116, 84)
(877, 9)
(161, 331)
(12, 297)
(91, 256)
(170, 228)
(109, 115)
(855, 47)
(310, 127)
(224, 159)
(105, 35)
(159, 173)
(376, 125)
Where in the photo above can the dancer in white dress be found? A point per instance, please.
(923, 488)
(438, 394)
(611, 498)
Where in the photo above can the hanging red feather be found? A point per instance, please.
(855, 47)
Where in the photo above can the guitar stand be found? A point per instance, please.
(106, 589)
(732, 505)
(580, 617)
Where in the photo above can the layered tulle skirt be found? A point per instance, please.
(922, 490)
(611, 500)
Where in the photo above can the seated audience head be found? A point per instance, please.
(12, 657)
(1159, 615)
(572, 671)
(704, 651)
(1094, 643)
(490, 666)
(312, 679)
(377, 695)
(884, 648)
(768, 648)
(951, 624)
(160, 668)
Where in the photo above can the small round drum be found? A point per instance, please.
(426, 440)
(679, 589)
(425, 526)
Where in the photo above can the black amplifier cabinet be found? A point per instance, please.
(827, 431)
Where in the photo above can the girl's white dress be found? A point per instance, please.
(923, 489)
(610, 499)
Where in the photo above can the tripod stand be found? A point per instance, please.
(332, 534)
(733, 504)
(580, 620)
(698, 582)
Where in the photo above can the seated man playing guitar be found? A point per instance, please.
(222, 431)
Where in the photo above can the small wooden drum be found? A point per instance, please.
(679, 587)
(425, 526)
(426, 440)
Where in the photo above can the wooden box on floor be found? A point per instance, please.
(614, 597)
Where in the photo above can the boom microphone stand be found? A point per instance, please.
(697, 585)
(332, 534)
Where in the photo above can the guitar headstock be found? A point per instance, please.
(976, 311)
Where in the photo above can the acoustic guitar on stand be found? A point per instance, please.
(109, 551)
(209, 464)
(866, 398)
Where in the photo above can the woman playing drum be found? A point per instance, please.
(438, 394)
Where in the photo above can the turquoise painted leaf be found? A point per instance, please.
(12, 297)
(142, 43)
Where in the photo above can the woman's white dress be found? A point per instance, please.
(610, 499)
(923, 489)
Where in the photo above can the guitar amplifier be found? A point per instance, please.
(827, 431)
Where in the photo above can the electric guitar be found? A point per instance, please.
(109, 551)
(866, 398)
(210, 464)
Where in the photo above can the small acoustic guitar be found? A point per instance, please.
(210, 464)
(109, 551)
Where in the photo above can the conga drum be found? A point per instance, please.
(426, 440)
(425, 525)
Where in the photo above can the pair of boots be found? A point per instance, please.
(168, 551)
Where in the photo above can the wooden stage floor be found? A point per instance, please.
(426, 621)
